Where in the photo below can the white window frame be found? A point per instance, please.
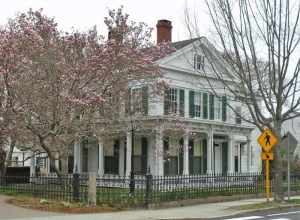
(238, 118)
(174, 101)
(198, 105)
(136, 100)
(217, 108)
(199, 61)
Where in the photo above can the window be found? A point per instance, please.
(174, 101)
(197, 104)
(136, 100)
(238, 112)
(217, 108)
(198, 62)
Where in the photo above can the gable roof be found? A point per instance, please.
(180, 44)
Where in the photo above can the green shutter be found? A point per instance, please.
(145, 100)
(192, 104)
(167, 101)
(181, 102)
(205, 105)
(224, 108)
(211, 107)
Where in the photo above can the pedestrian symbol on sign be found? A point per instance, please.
(267, 139)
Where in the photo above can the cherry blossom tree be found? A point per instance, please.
(60, 87)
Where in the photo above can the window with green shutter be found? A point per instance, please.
(145, 97)
(191, 104)
(211, 106)
(167, 102)
(181, 102)
(224, 108)
(205, 105)
(198, 104)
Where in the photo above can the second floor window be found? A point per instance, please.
(136, 100)
(174, 101)
(238, 112)
(197, 104)
(199, 62)
(218, 108)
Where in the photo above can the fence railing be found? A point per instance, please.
(148, 189)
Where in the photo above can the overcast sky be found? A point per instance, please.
(84, 14)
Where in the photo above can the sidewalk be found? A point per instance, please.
(205, 211)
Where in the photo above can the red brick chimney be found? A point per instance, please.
(164, 31)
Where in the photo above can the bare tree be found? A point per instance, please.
(259, 41)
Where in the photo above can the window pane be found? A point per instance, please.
(217, 108)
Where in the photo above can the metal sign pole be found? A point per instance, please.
(289, 168)
(268, 179)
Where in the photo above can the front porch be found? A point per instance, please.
(165, 152)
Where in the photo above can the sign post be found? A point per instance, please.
(267, 140)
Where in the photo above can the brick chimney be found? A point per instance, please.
(164, 31)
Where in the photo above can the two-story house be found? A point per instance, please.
(189, 129)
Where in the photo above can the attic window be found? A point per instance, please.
(198, 62)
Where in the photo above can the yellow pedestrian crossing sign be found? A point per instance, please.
(267, 140)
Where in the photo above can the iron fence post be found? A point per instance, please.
(149, 179)
(76, 187)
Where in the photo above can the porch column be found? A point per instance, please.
(100, 157)
(230, 154)
(210, 151)
(248, 153)
(128, 153)
(121, 157)
(186, 154)
(57, 161)
(77, 157)
(159, 152)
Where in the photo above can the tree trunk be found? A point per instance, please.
(278, 167)
(50, 155)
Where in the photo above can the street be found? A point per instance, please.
(281, 214)
(8, 211)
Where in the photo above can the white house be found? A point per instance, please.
(205, 136)
(209, 139)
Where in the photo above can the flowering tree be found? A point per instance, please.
(62, 86)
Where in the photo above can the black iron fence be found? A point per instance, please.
(149, 189)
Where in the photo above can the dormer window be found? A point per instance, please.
(199, 62)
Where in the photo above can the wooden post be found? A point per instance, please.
(92, 189)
